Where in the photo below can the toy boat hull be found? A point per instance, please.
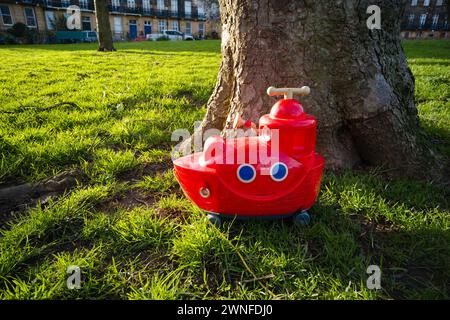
(226, 200)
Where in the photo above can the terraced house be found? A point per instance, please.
(129, 18)
(426, 19)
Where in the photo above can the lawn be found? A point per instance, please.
(134, 235)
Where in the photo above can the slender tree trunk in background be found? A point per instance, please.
(362, 91)
(105, 41)
(448, 10)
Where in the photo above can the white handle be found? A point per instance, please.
(288, 92)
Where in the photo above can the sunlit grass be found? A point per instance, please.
(134, 234)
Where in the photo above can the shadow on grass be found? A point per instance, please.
(439, 138)
(428, 49)
(351, 229)
(345, 238)
(430, 62)
(414, 263)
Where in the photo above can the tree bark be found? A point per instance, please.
(362, 91)
(105, 41)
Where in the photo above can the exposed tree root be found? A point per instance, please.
(59, 104)
(14, 197)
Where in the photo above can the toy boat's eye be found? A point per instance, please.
(246, 173)
(279, 171)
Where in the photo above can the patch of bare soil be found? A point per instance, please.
(370, 230)
(149, 169)
(127, 200)
(173, 214)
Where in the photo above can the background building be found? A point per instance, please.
(26, 11)
(129, 18)
(426, 19)
(213, 23)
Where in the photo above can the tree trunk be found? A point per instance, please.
(105, 42)
(362, 91)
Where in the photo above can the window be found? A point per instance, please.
(214, 11)
(215, 8)
(201, 29)
(83, 4)
(161, 26)
(423, 18)
(426, 3)
(175, 25)
(131, 4)
(115, 4)
(413, 3)
(146, 5)
(50, 19)
(117, 24)
(30, 18)
(411, 18)
(86, 23)
(160, 4)
(435, 20)
(6, 15)
(188, 29)
(187, 8)
(174, 5)
(200, 9)
(438, 3)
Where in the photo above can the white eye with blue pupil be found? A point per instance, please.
(279, 171)
(246, 173)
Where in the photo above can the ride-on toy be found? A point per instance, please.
(274, 173)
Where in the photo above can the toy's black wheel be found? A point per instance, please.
(303, 218)
(214, 220)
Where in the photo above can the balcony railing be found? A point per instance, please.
(89, 5)
(154, 12)
(131, 10)
(125, 9)
(84, 5)
(193, 15)
(425, 26)
(161, 13)
(174, 14)
(146, 11)
(40, 2)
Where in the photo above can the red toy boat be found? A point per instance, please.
(275, 173)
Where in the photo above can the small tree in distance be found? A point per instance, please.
(105, 41)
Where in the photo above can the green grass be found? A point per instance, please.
(135, 236)
(430, 64)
